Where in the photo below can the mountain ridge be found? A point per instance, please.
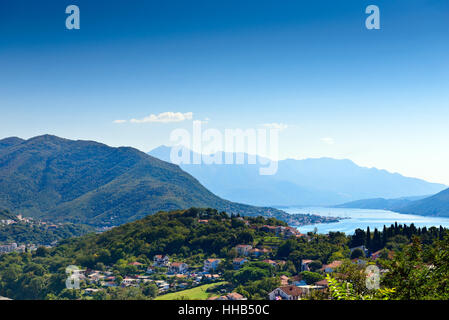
(316, 181)
(89, 182)
(434, 205)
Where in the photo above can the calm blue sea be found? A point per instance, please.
(362, 218)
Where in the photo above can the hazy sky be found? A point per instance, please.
(377, 97)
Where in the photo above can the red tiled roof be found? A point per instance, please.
(235, 296)
(284, 280)
(269, 261)
(377, 253)
(177, 264)
(323, 283)
(292, 290)
(333, 265)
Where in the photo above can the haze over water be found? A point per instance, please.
(362, 218)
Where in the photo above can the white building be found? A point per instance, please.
(211, 264)
(286, 293)
(243, 249)
(178, 267)
(161, 260)
(6, 248)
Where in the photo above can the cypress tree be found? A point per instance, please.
(359, 238)
(377, 242)
(368, 238)
(384, 236)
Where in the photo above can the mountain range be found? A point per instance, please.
(88, 182)
(322, 181)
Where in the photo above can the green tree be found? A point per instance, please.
(357, 254)
(311, 277)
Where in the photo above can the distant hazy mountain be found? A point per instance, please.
(437, 205)
(321, 181)
(89, 182)
(380, 203)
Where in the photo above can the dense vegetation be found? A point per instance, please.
(41, 274)
(415, 259)
(6, 215)
(418, 271)
(174, 233)
(395, 236)
(25, 233)
(88, 182)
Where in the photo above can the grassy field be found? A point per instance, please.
(197, 293)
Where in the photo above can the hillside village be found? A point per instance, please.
(204, 254)
(170, 276)
(26, 234)
(178, 276)
(13, 246)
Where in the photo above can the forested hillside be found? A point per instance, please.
(89, 182)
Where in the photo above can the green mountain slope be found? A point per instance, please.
(89, 182)
(33, 232)
(6, 215)
(167, 233)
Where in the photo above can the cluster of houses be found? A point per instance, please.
(6, 222)
(13, 247)
(245, 251)
(295, 288)
(106, 279)
(248, 250)
(229, 296)
(283, 232)
(19, 218)
(291, 288)
(179, 271)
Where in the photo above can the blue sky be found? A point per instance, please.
(378, 97)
